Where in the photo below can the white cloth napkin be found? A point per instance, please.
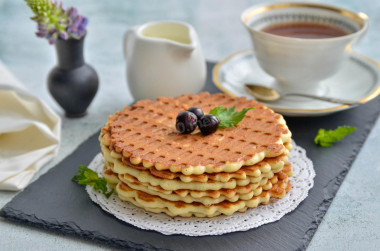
(29, 133)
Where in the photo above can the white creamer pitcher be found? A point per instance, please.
(164, 59)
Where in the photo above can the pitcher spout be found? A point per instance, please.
(176, 34)
(186, 48)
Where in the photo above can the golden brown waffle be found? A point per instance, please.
(157, 204)
(170, 185)
(145, 134)
(113, 178)
(205, 197)
(274, 164)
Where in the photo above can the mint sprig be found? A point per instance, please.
(86, 176)
(326, 138)
(228, 116)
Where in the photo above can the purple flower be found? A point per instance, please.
(40, 34)
(55, 22)
(77, 26)
(52, 40)
(72, 13)
(52, 36)
(64, 35)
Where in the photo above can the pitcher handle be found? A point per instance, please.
(125, 41)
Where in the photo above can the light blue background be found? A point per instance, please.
(353, 220)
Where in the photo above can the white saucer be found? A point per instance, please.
(358, 79)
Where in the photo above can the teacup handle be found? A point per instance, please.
(360, 37)
(355, 41)
(127, 34)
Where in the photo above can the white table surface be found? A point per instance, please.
(352, 221)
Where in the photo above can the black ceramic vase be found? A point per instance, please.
(72, 83)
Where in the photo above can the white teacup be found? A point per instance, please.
(299, 64)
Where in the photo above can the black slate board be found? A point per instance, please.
(53, 202)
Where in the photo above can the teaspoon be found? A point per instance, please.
(270, 95)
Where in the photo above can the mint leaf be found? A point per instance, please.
(228, 116)
(86, 176)
(325, 138)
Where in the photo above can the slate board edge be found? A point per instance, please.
(70, 228)
(326, 203)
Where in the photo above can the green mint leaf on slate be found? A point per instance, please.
(86, 176)
(228, 116)
(325, 138)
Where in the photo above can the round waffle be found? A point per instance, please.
(144, 134)
(274, 164)
(169, 185)
(157, 204)
(206, 197)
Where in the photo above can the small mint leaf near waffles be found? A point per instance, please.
(197, 111)
(186, 122)
(228, 116)
(326, 138)
(86, 176)
(208, 124)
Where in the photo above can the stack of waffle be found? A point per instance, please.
(155, 167)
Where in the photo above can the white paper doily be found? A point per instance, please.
(301, 181)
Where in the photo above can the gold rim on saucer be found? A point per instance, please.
(369, 97)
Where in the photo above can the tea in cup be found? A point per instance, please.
(300, 44)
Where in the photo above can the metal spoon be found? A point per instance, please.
(269, 95)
